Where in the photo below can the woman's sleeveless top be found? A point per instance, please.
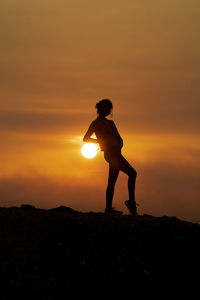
(107, 134)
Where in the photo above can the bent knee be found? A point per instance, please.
(133, 173)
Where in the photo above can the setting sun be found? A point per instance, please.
(89, 150)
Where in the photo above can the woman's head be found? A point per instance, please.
(104, 107)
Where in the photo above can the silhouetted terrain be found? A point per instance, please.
(49, 251)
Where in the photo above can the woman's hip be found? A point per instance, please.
(112, 155)
(117, 161)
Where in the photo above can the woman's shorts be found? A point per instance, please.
(117, 161)
(113, 157)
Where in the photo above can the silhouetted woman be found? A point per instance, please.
(111, 143)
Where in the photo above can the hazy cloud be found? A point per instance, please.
(139, 122)
(44, 192)
(40, 122)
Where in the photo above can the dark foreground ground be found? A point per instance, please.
(54, 251)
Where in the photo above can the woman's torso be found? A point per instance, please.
(107, 134)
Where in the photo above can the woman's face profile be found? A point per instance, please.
(105, 110)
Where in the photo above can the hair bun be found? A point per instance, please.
(104, 102)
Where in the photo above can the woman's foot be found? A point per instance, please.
(131, 205)
(112, 211)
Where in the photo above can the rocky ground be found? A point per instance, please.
(49, 251)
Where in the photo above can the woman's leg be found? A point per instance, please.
(112, 178)
(131, 172)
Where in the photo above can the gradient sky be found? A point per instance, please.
(58, 59)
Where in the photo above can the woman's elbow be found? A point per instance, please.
(85, 139)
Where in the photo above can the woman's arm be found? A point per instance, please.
(87, 137)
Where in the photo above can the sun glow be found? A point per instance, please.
(89, 150)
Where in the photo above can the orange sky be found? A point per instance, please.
(58, 59)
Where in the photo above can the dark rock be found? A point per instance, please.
(27, 206)
(170, 218)
(65, 209)
(147, 216)
(51, 250)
